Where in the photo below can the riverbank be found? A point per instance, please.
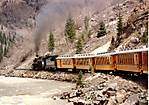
(100, 89)
(59, 76)
(28, 91)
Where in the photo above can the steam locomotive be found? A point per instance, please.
(134, 60)
(44, 62)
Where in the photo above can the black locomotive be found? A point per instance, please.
(44, 62)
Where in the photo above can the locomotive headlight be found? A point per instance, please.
(43, 64)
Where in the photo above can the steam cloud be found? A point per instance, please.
(56, 12)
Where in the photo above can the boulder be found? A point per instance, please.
(112, 86)
(120, 96)
(65, 95)
(132, 100)
(134, 40)
(112, 101)
(111, 93)
(79, 92)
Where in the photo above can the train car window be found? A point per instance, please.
(86, 62)
(125, 57)
(83, 61)
(99, 60)
(102, 61)
(78, 61)
(96, 60)
(145, 58)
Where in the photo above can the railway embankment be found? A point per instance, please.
(104, 89)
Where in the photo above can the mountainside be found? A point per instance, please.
(29, 22)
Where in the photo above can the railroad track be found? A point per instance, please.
(23, 69)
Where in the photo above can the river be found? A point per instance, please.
(27, 91)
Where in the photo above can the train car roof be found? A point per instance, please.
(90, 55)
(132, 51)
(85, 55)
(65, 56)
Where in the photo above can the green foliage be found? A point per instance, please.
(102, 30)
(112, 46)
(144, 38)
(1, 53)
(91, 68)
(89, 33)
(119, 30)
(86, 23)
(5, 42)
(79, 80)
(83, 37)
(79, 46)
(51, 44)
(70, 29)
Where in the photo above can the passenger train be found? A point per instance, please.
(135, 60)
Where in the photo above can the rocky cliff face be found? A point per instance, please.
(21, 17)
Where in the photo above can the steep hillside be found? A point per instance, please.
(30, 21)
(135, 29)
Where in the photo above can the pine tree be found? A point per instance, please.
(70, 30)
(1, 53)
(5, 43)
(91, 69)
(83, 38)
(86, 23)
(51, 44)
(79, 80)
(5, 50)
(1, 37)
(79, 46)
(119, 30)
(102, 30)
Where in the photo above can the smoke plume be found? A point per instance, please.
(57, 11)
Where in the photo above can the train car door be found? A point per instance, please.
(144, 62)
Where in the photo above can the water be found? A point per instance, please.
(27, 91)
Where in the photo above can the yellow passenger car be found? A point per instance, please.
(65, 62)
(104, 62)
(130, 60)
(83, 61)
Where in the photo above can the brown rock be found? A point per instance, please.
(120, 96)
(132, 100)
(112, 101)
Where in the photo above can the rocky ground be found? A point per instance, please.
(104, 89)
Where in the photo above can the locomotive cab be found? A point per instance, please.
(50, 62)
